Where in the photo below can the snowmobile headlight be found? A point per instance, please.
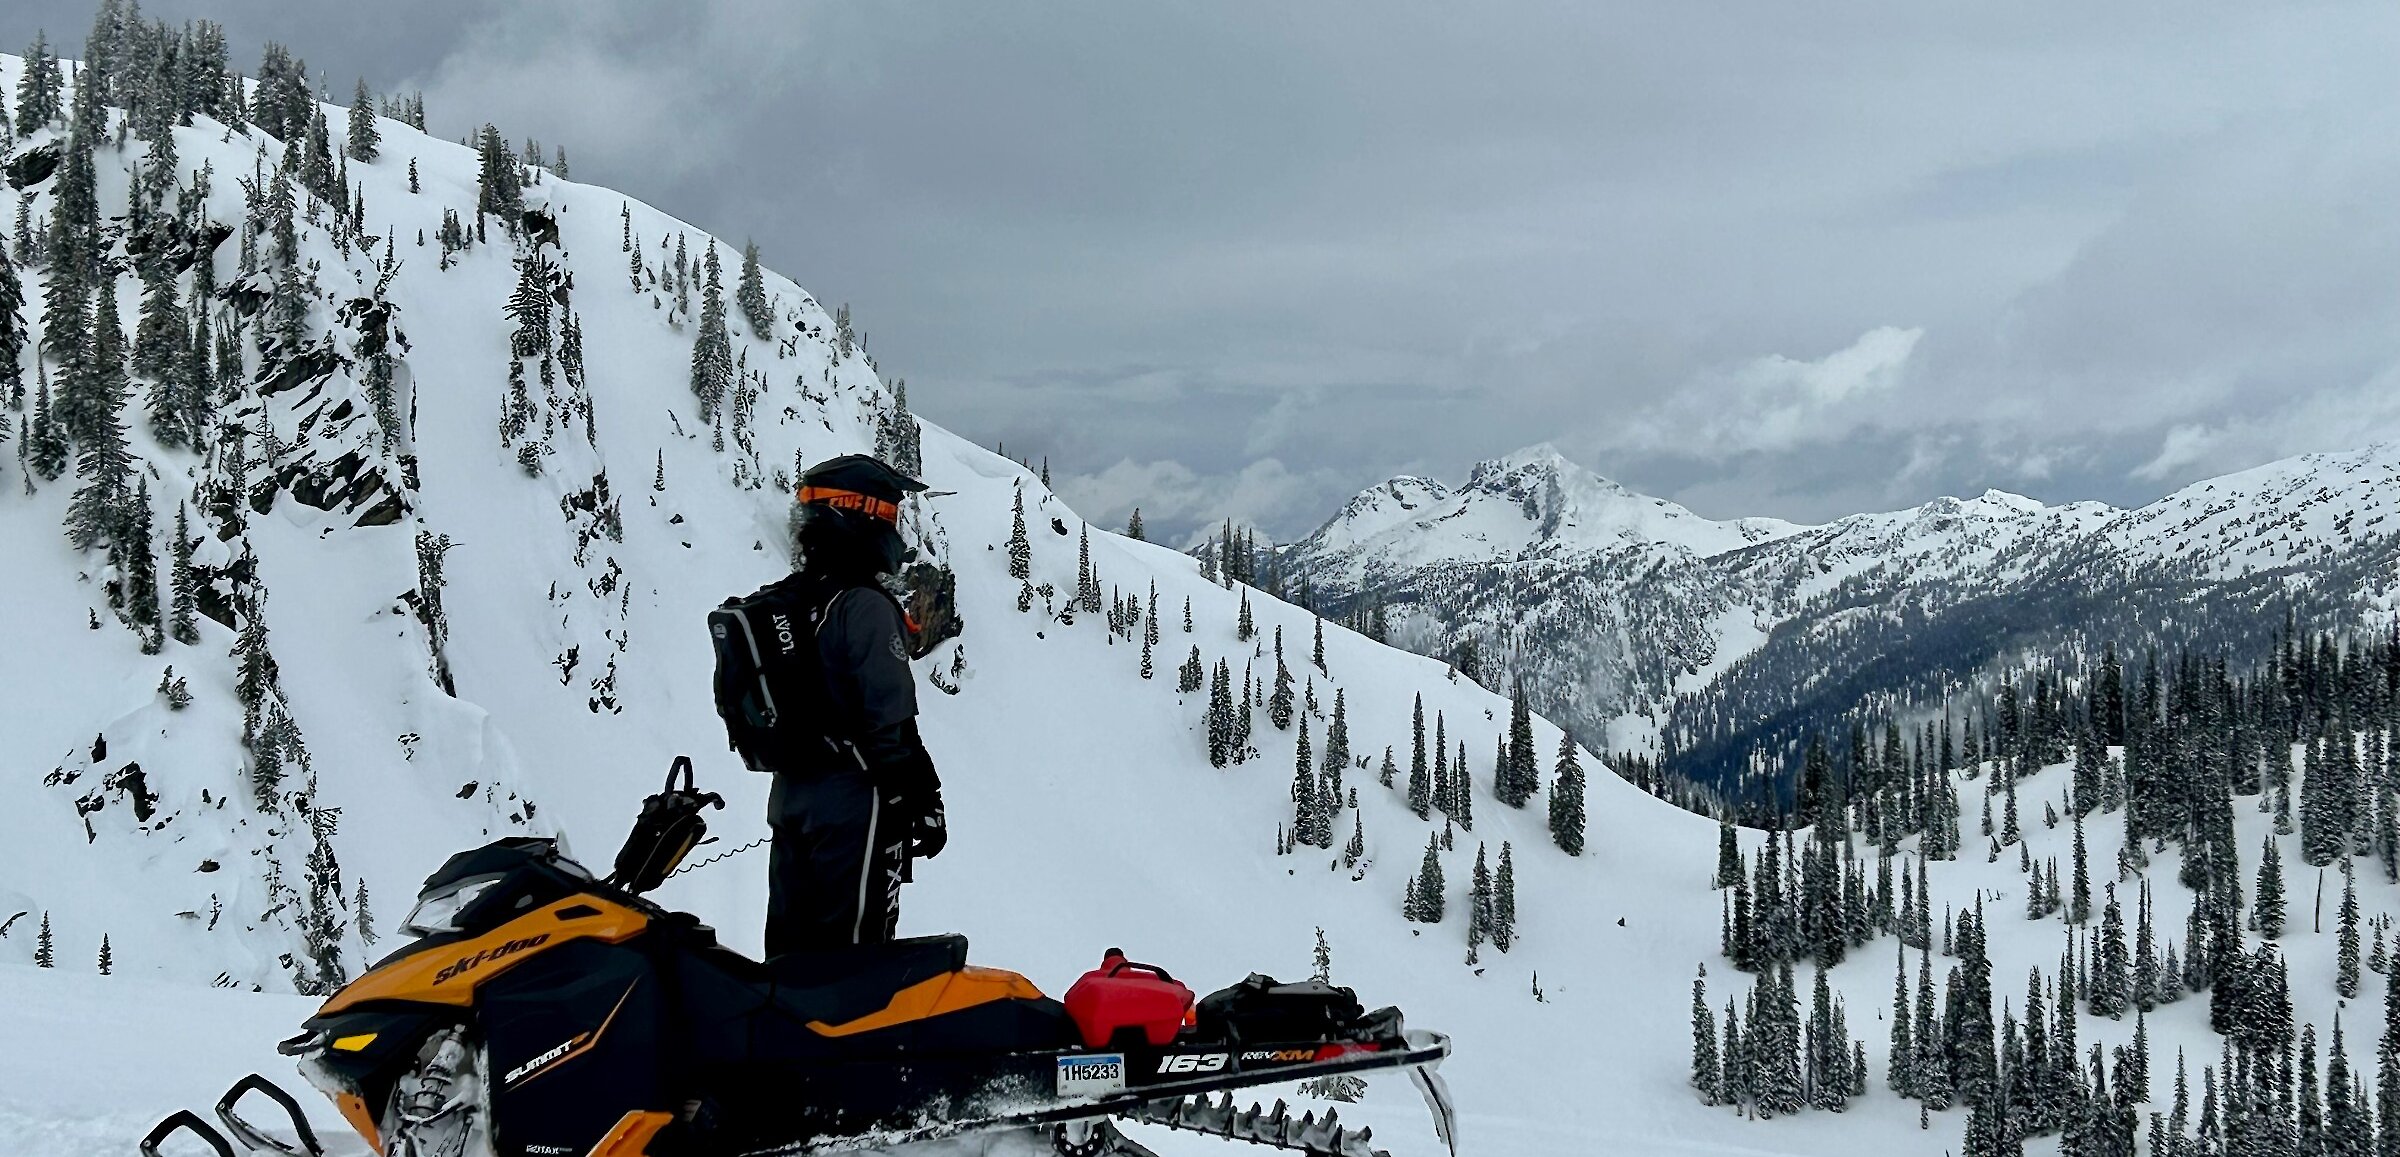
(438, 911)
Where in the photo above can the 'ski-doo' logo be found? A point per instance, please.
(467, 964)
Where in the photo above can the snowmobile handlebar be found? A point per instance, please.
(683, 764)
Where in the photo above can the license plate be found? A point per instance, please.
(1091, 1075)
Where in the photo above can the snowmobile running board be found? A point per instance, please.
(1185, 1105)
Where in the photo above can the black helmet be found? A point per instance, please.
(850, 516)
(843, 481)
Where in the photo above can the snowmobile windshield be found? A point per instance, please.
(437, 911)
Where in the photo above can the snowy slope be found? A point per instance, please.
(2280, 514)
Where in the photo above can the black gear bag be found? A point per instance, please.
(770, 679)
(1261, 1009)
(770, 683)
(668, 829)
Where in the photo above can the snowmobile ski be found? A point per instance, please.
(185, 1121)
(258, 1140)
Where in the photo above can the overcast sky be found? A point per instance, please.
(1246, 258)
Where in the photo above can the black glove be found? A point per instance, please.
(919, 798)
(929, 830)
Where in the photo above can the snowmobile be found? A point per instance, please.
(540, 1011)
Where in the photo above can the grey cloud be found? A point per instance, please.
(1166, 245)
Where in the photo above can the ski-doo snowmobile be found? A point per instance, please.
(539, 1011)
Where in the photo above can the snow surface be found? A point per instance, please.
(1056, 755)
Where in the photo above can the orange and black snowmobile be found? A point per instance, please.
(539, 1011)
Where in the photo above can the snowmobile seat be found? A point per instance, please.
(843, 984)
(916, 956)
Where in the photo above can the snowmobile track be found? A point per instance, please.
(1186, 1105)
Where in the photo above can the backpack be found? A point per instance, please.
(770, 680)
(770, 683)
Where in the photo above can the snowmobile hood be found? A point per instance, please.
(448, 973)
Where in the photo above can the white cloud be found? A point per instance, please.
(1177, 501)
(1775, 403)
(2328, 420)
(1872, 364)
(2183, 446)
(2133, 259)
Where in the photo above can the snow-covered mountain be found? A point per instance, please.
(1628, 615)
(1531, 503)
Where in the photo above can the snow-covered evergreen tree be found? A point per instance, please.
(712, 351)
(12, 334)
(1566, 798)
(499, 185)
(1427, 891)
(1516, 782)
(38, 87)
(2345, 977)
(2267, 910)
(363, 915)
(1308, 822)
(1420, 776)
(1279, 701)
(140, 567)
(751, 293)
(1020, 549)
(365, 140)
(1220, 715)
(321, 924)
(1504, 899)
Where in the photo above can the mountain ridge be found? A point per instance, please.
(1618, 633)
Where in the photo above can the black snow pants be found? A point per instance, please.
(839, 855)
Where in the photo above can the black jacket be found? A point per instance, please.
(871, 691)
(870, 699)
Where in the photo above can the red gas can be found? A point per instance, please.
(1121, 994)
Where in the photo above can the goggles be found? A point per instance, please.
(851, 500)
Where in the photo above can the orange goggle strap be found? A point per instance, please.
(851, 500)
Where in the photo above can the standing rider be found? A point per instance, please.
(855, 797)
